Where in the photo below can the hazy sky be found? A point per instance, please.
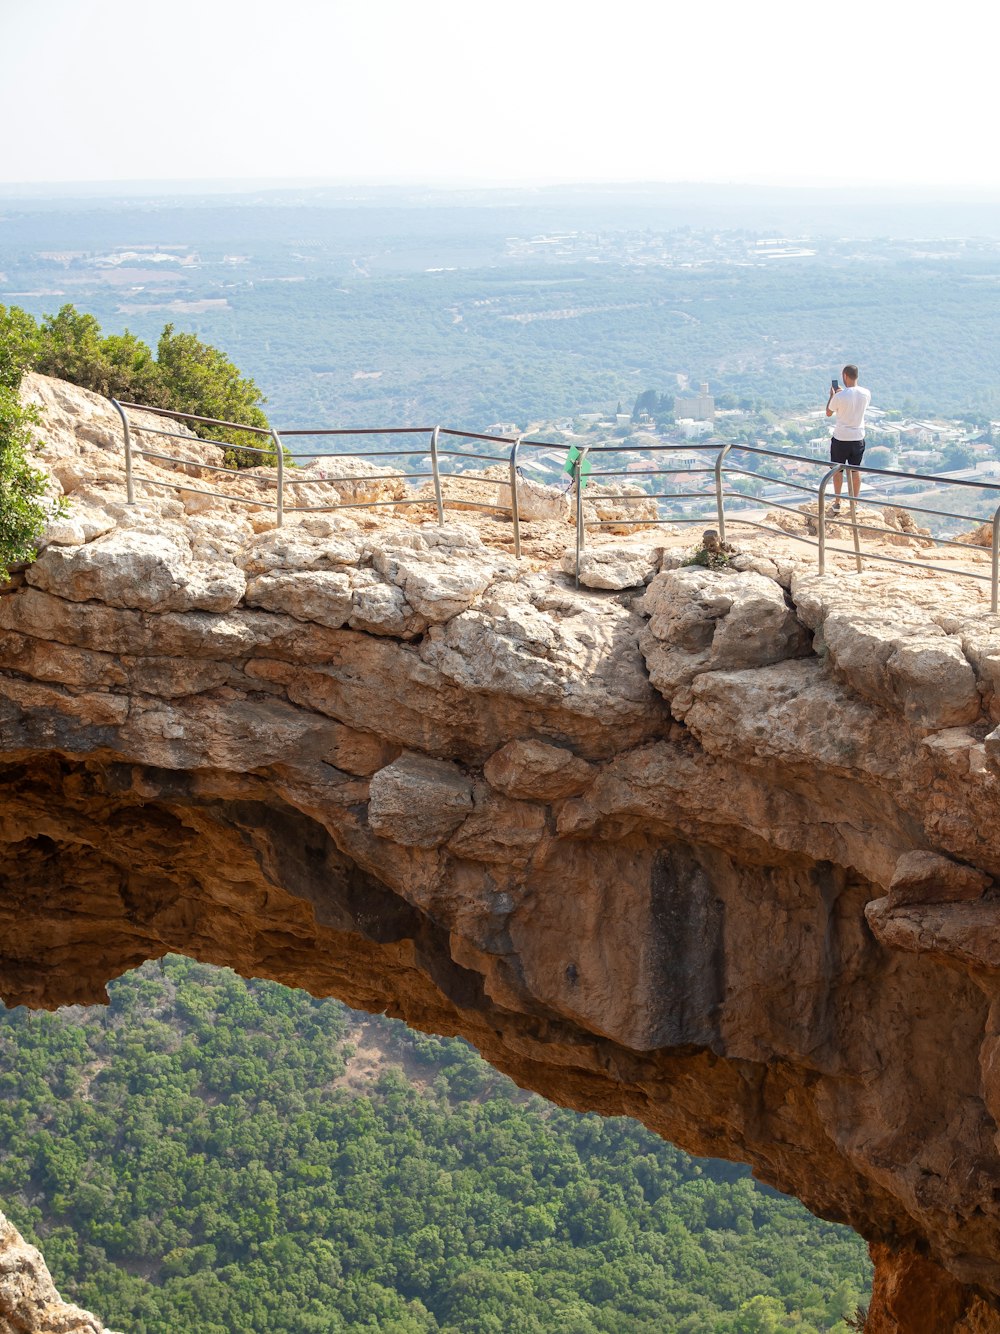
(451, 91)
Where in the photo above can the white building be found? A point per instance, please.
(692, 429)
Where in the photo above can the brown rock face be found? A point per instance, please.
(723, 858)
(912, 1294)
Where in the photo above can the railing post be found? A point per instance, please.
(852, 500)
(581, 532)
(280, 456)
(995, 578)
(515, 514)
(129, 487)
(821, 516)
(437, 475)
(719, 505)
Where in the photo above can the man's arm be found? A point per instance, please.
(829, 410)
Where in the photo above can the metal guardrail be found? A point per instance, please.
(720, 469)
(279, 453)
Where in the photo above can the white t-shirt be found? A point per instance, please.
(850, 405)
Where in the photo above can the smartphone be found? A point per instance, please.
(836, 386)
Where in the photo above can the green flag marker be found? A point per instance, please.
(571, 459)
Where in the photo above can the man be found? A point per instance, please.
(847, 444)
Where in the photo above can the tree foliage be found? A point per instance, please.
(879, 456)
(658, 406)
(25, 506)
(19, 336)
(203, 381)
(204, 1155)
(956, 456)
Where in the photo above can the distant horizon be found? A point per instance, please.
(238, 185)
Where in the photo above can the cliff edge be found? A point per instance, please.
(715, 848)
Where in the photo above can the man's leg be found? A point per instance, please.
(838, 477)
(855, 460)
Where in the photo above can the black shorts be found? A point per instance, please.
(847, 451)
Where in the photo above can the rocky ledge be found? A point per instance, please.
(715, 848)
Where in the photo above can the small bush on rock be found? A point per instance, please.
(713, 553)
(25, 506)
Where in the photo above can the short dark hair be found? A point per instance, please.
(850, 372)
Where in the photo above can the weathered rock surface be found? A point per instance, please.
(725, 857)
(616, 567)
(894, 526)
(29, 1303)
(418, 802)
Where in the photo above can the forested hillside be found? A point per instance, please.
(228, 1157)
(528, 306)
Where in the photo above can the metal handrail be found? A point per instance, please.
(222, 444)
(209, 467)
(822, 546)
(354, 430)
(279, 452)
(129, 486)
(193, 417)
(719, 469)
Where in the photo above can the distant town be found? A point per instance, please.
(686, 248)
(683, 436)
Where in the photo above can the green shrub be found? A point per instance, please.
(25, 507)
(202, 380)
(186, 374)
(19, 339)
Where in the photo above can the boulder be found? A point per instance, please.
(538, 771)
(538, 502)
(927, 877)
(150, 571)
(322, 596)
(704, 620)
(916, 668)
(619, 508)
(617, 567)
(81, 523)
(419, 801)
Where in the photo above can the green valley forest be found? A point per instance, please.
(209, 1155)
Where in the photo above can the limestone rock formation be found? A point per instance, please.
(723, 855)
